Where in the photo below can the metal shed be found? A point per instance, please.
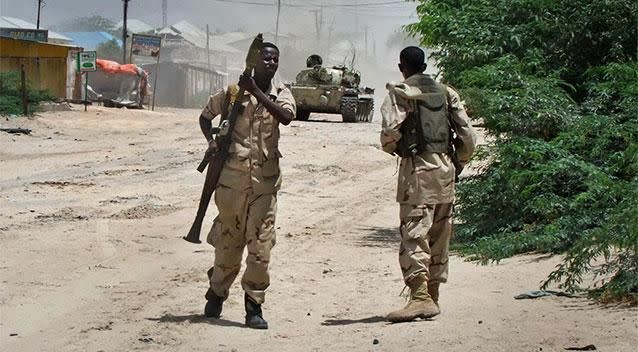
(184, 85)
(47, 66)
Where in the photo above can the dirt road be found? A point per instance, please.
(94, 205)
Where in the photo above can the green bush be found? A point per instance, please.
(556, 85)
(11, 95)
(502, 94)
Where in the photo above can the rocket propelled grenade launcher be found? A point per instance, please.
(223, 139)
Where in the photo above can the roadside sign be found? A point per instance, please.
(146, 45)
(86, 61)
(38, 35)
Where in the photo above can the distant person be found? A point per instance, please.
(314, 60)
(246, 194)
(314, 72)
(420, 119)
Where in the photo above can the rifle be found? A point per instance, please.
(223, 141)
(458, 167)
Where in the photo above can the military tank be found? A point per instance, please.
(334, 90)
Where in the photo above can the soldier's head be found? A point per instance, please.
(314, 60)
(268, 61)
(411, 61)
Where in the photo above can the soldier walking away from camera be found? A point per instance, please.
(246, 194)
(425, 123)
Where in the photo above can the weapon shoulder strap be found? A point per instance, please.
(449, 107)
(226, 105)
(228, 99)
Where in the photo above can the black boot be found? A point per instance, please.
(254, 318)
(214, 305)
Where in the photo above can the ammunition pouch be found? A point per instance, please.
(410, 143)
(427, 128)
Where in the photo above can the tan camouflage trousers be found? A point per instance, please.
(425, 240)
(244, 220)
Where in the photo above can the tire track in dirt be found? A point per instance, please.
(334, 269)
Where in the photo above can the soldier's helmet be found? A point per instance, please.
(313, 60)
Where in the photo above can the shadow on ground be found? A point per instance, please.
(380, 237)
(369, 320)
(195, 319)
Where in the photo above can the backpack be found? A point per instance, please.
(429, 128)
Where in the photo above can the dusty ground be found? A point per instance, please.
(94, 205)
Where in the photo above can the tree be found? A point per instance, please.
(110, 50)
(556, 85)
(400, 39)
(95, 23)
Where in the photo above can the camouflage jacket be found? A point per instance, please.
(427, 178)
(253, 164)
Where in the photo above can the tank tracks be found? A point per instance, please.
(365, 110)
(349, 109)
(354, 109)
(302, 115)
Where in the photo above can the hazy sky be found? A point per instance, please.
(228, 15)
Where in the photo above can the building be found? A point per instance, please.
(192, 65)
(135, 26)
(183, 85)
(91, 40)
(184, 42)
(47, 66)
(16, 23)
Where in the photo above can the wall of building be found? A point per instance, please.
(183, 85)
(46, 65)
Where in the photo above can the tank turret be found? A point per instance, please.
(335, 90)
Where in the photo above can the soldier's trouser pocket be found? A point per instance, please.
(230, 223)
(228, 237)
(425, 238)
(260, 239)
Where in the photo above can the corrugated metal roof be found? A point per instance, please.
(167, 30)
(12, 22)
(197, 37)
(191, 33)
(241, 41)
(91, 40)
(135, 26)
(231, 37)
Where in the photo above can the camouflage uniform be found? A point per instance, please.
(425, 189)
(246, 195)
(320, 75)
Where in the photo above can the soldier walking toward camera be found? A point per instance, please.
(246, 193)
(425, 123)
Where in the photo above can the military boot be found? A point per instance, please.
(214, 303)
(420, 305)
(254, 317)
(433, 291)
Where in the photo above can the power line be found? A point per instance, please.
(385, 3)
(267, 4)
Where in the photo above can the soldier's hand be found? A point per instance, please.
(248, 84)
(212, 149)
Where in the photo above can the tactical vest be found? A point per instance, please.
(427, 128)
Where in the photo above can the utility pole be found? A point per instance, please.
(210, 75)
(318, 23)
(331, 29)
(124, 31)
(40, 4)
(164, 13)
(277, 25)
(365, 35)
